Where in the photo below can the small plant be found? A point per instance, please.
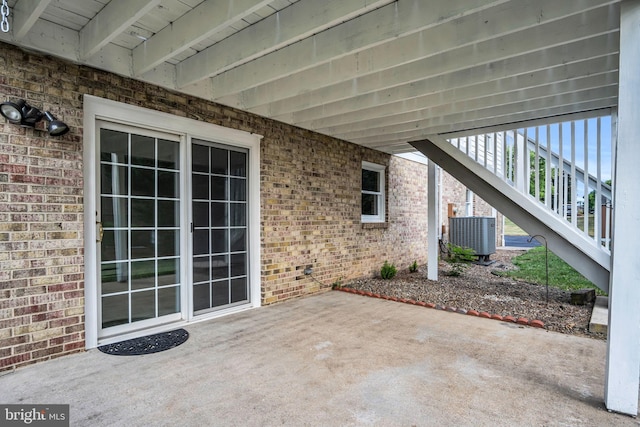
(337, 284)
(388, 271)
(413, 267)
(459, 259)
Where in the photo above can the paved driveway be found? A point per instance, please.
(334, 359)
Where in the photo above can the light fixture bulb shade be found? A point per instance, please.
(55, 127)
(11, 111)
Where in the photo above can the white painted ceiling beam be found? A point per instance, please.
(113, 19)
(202, 22)
(385, 138)
(314, 105)
(446, 114)
(399, 18)
(25, 15)
(467, 104)
(444, 48)
(288, 26)
(598, 70)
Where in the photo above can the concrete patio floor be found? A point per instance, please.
(334, 359)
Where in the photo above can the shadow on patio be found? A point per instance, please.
(334, 359)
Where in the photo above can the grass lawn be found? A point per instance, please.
(511, 229)
(531, 268)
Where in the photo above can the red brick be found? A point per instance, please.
(431, 305)
(496, 317)
(14, 360)
(38, 354)
(74, 346)
(536, 324)
(509, 319)
(485, 315)
(21, 311)
(9, 342)
(522, 321)
(472, 313)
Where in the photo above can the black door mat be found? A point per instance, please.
(146, 345)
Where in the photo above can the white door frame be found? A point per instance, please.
(102, 109)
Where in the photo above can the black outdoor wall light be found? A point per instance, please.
(23, 114)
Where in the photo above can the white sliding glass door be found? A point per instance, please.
(139, 220)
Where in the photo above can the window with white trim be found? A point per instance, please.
(373, 192)
(468, 206)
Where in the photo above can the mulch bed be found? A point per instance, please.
(480, 289)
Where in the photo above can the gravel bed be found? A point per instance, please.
(480, 289)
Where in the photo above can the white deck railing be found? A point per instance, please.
(566, 167)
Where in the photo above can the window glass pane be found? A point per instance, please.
(238, 190)
(113, 211)
(200, 186)
(201, 297)
(218, 214)
(238, 163)
(218, 188)
(143, 182)
(220, 293)
(143, 274)
(168, 154)
(200, 242)
(168, 184)
(219, 161)
(238, 264)
(114, 180)
(113, 146)
(369, 204)
(115, 310)
(143, 305)
(238, 214)
(200, 158)
(168, 300)
(143, 150)
(201, 268)
(238, 240)
(219, 267)
(168, 213)
(219, 241)
(200, 214)
(168, 271)
(239, 289)
(143, 243)
(114, 277)
(370, 180)
(114, 245)
(168, 243)
(143, 213)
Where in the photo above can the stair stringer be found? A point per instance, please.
(564, 240)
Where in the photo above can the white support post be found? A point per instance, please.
(623, 341)
(432, 221)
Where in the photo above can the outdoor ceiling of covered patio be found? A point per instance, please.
(376, 73)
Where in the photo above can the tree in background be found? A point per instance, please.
(592, 197)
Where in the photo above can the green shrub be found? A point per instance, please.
(413, 267)
(388, 271)
(459, 258)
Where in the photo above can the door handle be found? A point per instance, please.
(100, 232)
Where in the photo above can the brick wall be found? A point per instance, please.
(310, 201)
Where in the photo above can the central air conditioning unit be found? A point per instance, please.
(475, 232)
